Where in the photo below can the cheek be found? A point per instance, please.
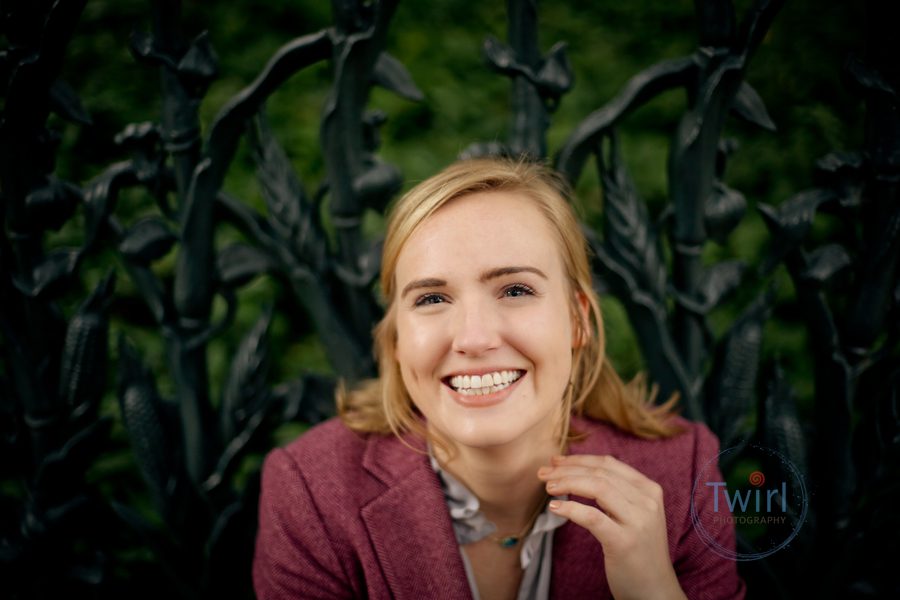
(418, 347)
(546, 338)
(554, 328)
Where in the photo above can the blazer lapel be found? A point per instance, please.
(577, 564)
(578, 570)
(410, 526)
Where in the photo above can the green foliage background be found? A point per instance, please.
(797, 72)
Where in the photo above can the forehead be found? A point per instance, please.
(479, 231)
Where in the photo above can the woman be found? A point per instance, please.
(498, 454)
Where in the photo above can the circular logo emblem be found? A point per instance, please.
(765, 501)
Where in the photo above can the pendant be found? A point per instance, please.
(508, 542)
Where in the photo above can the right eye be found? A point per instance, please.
(428, 299)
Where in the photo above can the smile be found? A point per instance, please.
(487, 383)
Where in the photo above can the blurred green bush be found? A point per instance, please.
(796, 71)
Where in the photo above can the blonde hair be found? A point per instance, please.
(384, 406)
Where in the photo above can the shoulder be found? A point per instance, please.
(321, 446)
(326, 460)
(677, 463)
(664, 459)
(310, 530)
(601, 433)
(331, 459)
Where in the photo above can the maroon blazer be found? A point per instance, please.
(349, 516)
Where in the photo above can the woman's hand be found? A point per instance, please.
(628, 520)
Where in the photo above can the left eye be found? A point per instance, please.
(428, 299)
(518, 289)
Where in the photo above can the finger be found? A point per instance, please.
(600, 461)
(599, 524)
(625, 486)
(605, 492)
(609, 463)
(626, 502)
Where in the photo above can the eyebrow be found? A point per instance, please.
(432, 282)
(501, 271)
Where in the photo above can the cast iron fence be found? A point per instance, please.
(66, 530)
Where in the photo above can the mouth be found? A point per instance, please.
(484, 384)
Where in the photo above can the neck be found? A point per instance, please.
(504, 478)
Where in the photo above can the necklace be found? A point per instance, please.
(511, 541)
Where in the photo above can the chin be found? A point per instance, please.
(488, 435)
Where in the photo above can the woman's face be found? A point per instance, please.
(484, 325)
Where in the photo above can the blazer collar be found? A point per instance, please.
(413, 537)
(409, 524)
(577, 555)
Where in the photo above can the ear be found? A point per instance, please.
(581, 321)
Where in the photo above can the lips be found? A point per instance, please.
(485, 383)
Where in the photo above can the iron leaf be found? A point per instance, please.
(66, 103)
(51, 275)
(555, 75)
(499, 56)
(723, 211)
(843, 172)
(748, 105)
(147, 240)
(200, 59)
(629, 237)
(731, 386)
(838, 162)
(229, 545)
(239, 263)
(199, 65)
(54, 476)
(390, 74)
(290, 58)
(376, 184)
(101, 195)
(223, 539)
(641, 88)
(868, 80)
(245, 388)
(825, 263)
(143, 48)
(52, 204)
(285, 198)
(143, 141)
(309, 399)
(790, 223)
(234, 450)
(719, 281)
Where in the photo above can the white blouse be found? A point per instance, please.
(471, 525)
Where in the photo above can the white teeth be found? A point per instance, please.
(488, 383)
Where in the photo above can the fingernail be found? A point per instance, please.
(544, 471)
(554, 505)
(551, 486)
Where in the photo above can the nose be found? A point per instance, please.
(476, 329)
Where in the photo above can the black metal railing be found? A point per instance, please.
(187, 529)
